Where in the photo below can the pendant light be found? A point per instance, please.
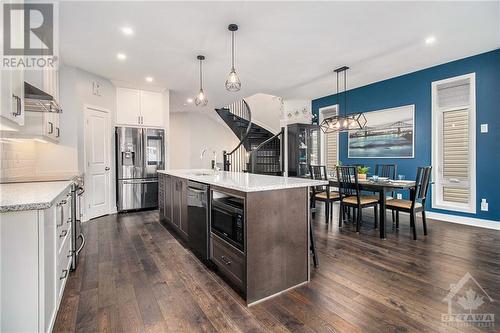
(233, 81)
(342, 122)
(201, 98)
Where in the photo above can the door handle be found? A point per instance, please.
(195, 190)
(64, 274)
(106, 168)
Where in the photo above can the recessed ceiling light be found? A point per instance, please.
(127, 31)
(430, 40)
(190, 100)
(121, 56)
(149, 79)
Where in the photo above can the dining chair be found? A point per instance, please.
(350, 195)
(322, 193)
(417, 200)
(388, 171)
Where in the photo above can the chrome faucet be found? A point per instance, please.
(215, 168)
(202, 153)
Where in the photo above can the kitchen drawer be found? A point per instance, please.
(62, 266)
(230, 261)
(62, 233)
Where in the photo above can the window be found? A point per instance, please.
(453, 144)
(329, 141)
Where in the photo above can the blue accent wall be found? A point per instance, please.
(415, 88)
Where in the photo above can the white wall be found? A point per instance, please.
(266, 111)
(296, 111)
(190, 132)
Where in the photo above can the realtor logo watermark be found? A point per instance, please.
(465, 301)
(29, 34)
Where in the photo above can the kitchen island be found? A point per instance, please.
(269, 253)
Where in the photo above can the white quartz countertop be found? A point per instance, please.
(30, 196)
(244, 182)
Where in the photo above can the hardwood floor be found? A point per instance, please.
(134, 276)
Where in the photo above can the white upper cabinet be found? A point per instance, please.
(139, 108)
(12, 96)
(128, 103)
(151, 109)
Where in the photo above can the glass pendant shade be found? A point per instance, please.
(233, 82)
(201, 99)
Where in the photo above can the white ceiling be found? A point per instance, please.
(282, 48)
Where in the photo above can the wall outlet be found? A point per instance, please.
(484, 205)
(399, 196)
(96, 88)
(484, 128)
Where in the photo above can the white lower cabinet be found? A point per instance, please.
(35, 261)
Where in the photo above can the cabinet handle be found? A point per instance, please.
(58, 132)
(64, 274)
(225, 260)
(18, 105)
(139, 120)
(51, 130)
(63, 233)
(60, 205)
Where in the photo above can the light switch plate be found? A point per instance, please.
(484, 128)
(484, 205)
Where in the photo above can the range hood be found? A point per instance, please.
(37, 100)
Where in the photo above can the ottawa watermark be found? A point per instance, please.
(29, 35)
(467, 295)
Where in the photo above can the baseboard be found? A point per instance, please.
(489, 224)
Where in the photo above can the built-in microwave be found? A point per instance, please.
(228, 221)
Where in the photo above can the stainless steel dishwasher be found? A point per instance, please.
(198, 219)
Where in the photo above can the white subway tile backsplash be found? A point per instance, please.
(18, 159)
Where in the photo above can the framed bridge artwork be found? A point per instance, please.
(389, 133)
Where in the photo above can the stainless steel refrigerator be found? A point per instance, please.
(139, 154)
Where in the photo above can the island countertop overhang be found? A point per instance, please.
(241, 181)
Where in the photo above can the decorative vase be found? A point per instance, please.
(362, 176)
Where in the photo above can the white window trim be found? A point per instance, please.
(323, 139)
(437, 201)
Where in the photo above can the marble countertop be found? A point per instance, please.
(31, 195)
(244, 182)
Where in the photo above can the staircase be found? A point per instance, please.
(259, 151)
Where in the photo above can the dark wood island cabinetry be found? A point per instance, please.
(275, 252)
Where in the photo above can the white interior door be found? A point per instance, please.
(97, 151)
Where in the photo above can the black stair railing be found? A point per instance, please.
(266, 158)
(235, 160)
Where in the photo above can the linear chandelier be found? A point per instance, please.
(342, 122)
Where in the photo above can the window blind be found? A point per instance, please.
(331, 154)
(454, 94)
(331, 150)
(456, 156)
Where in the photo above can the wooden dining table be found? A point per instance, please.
(382, 188)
